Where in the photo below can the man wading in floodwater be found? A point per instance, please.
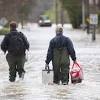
(16, 44)
(60, 48)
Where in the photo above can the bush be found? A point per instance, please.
(4, 31)
(7, 25)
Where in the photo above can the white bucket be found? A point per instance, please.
(47, 78)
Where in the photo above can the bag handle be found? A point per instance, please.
(47, 69)
(75, 64)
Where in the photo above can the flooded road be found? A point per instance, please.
(31, 88)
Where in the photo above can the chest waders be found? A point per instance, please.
(61, 64)
(16, 64)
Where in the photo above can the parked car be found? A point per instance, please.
(44, 21)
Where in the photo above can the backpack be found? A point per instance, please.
(16, 44)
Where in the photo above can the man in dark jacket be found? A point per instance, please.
(59, 51)
(13, 42)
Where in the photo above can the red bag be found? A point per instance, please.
(76, 73)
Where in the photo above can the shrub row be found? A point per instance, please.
(4, 31)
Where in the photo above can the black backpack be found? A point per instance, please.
(16, 44)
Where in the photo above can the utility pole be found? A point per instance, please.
(93, 18)
(87, 19)
(56, 11)
(83, 13)
(93, 34)
(62, 14)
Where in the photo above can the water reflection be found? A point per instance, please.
(13, 91)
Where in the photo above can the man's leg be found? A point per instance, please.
(12, 67)
(65, 74)
(20, 66)
(56, 79)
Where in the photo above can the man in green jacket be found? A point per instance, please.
(15, 43)
(59, 52)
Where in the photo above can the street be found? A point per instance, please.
(31, 88)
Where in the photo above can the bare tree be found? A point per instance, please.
(15, 9)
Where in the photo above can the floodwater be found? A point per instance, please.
(31, 88)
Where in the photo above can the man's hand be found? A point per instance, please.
(4, 52)
(75, 62)
(46, 66)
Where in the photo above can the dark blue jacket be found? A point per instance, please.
(58, 42)
(5, 43)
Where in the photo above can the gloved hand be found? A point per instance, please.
(4, 52)
(75, 62)
(47, 67)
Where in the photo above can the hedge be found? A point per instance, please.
(4, 31)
